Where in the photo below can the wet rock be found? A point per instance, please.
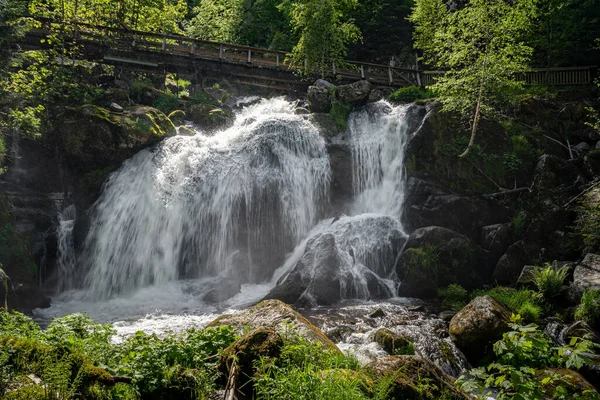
(319, 99)
(114, 107)
(355, 94)
(185, 131)
(380, 93)
(377, 313)
(333, 266)
(435, 257)
(478, 325)
(415, 378)
(328, 127)
(587, 273)
(511, 264)
(342, 191)
(393, 343)
(323, 83)
(244, 352)
(222, 289)
(447, 315)
(207, 116)
(276, 315)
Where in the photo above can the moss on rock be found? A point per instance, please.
(393, 343)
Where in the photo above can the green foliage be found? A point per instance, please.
(339, 112)
(588, 221)
(480, 46)
(523, 301)
(454, 297)
(324, 30)
(518, 224)
(27, 120)
(549, 280)
(166, 102)
(411, 94)
(16, 324)
(520, 352)
(589, 308)
(308, 371)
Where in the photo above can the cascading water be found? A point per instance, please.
(358, 252)
(66, 252)
(205, 205)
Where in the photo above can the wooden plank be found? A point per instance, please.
(130, 61)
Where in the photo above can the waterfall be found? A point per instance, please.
(232, 203)
(355, 255)
(66, 251)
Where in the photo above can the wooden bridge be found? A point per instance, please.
(167, 53)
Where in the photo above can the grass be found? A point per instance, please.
(454, 297)
(589, 308)
(526, 302)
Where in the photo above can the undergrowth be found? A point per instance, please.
(527, 303)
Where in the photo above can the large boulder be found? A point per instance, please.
(319, 98)
(496, 239)
(511, 264)
(435, 257)
(414, 378)
(478, 325)
(341, 186)
(347, 258)
(93, 138)
(276, 315)
(587, 273)
(355, 94)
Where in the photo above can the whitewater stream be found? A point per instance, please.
(239, 210)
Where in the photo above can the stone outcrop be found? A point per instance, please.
(319, 98)
(415, 378)
(354, 94)
(478, 325)
(435, 257)
(587, 273)
(274, 314)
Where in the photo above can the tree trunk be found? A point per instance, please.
(475, 122)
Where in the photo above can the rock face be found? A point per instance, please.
(273, 314)
(410, 375)
(478, 325)
(347, 258)
(435, 257)
(511, 264)
(91, 138)
(587, 274)
(17, 262)
(355, 94)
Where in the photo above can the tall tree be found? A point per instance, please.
(324, 29)
(480, 46)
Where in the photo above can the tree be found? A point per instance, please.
(324, 30)
(480, 46)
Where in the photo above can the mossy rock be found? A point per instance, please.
(208, 116)
(415, 378)
(393, 343)
(327, 125)
(571, 381)
(93, 138)
(276, 315)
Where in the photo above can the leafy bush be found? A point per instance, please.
(549, 280)
(589, 309)
(454, 297)
(520, 352)
(588, 221)
(166, 102)
(523, 301)
(411, 94)
(201, 97)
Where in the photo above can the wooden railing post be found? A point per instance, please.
(362, 71)
(221, 51)
(334, 71)
(164, 43)
(134, 39)
(277, 57)
(391, 75)
(193, 49)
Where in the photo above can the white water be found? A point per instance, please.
(66, 252)
(205, 205)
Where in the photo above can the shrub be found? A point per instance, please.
(588, 221)
(589, 308)
(339, 112)
(454, 297)
(527, 302)
(519, 353)
(410, 94)
(549, 280)
(166, 102)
